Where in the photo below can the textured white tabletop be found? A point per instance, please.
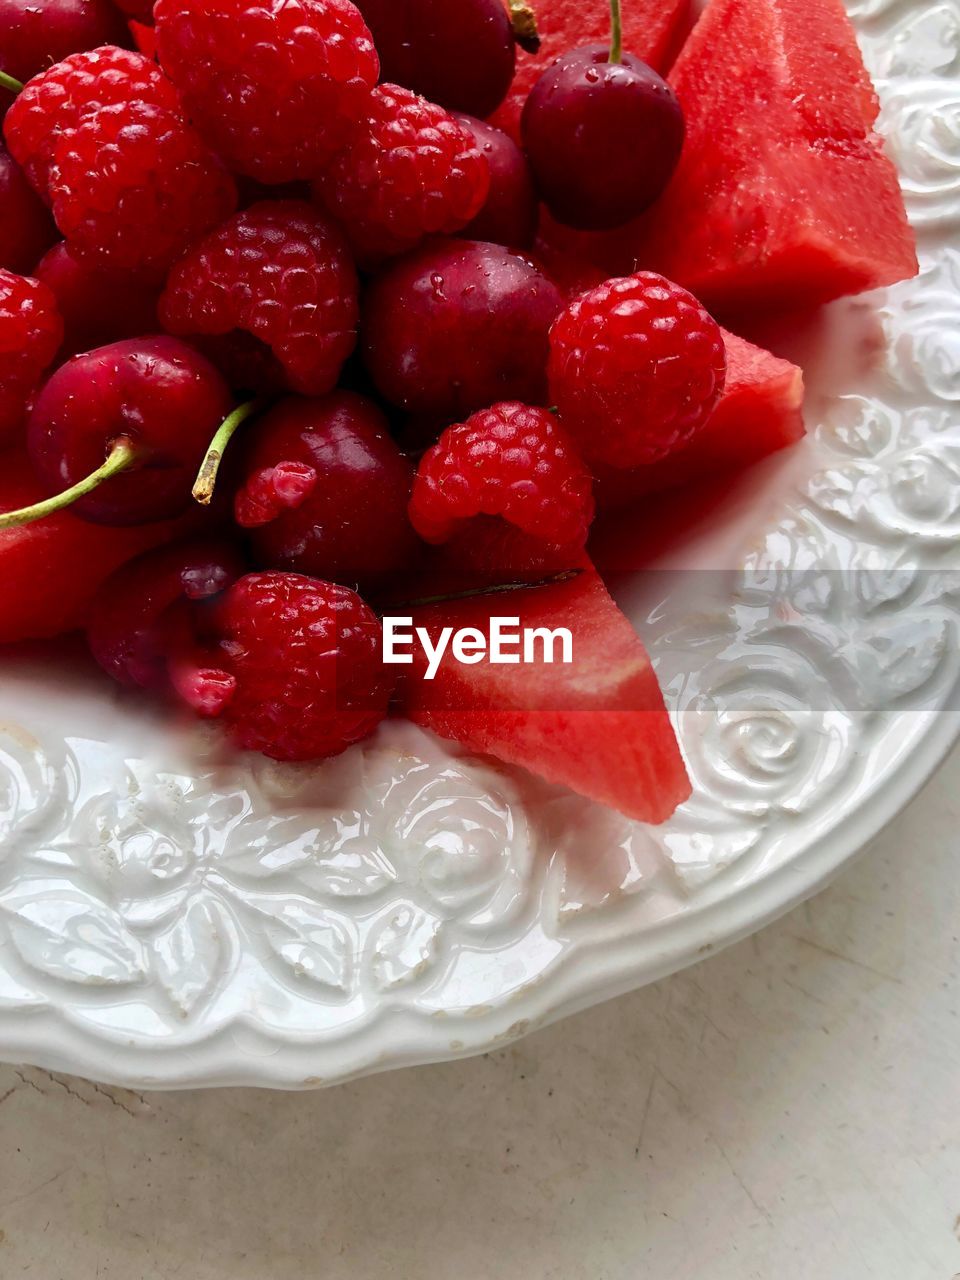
(790, 1108)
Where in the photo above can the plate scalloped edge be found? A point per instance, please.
(172, 919)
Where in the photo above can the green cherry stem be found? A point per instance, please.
(209, 468)
(121, 456)
(616, 32)
(8, 82)
(523, 20)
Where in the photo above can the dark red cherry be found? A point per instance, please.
(140, 616)
(97, 306)
(26, 228)
(457, 326)
(151, 403)
(459, 53)
(36, 33)
(509, 213)
(603, 138)
(325, 491)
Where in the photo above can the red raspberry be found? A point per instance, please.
(512, 461)
(304, 661)
(30, 335)
(410, 171)
(280, 273)
(273, 87)
(133, 187)
(636, 368)
(54, 103)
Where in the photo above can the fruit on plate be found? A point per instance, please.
(324, 491)
(293, 667)
(31, 331)
(636, 368)
(513, 464)
(26, 228)
(271, 296)
(598, 726)
(650, 29)
(603, 132)
(140, 616)
(508, 216)
(456, 326)
(274, 88)
(36, 33)
(460, 55)
(51, 570)
(142, 413)
(761, 411)
(783, 196)
(410, 170)
(97, 307)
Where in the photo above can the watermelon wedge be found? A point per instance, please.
(651, 29)
(761, 412)
(597, 725)
(784, 197)
(50, 570)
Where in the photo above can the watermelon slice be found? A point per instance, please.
(650, 28)
(50, 570)
(761, 412)
(783, 197)
(597, 725)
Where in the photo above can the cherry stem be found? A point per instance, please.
(523, 20)
(616, 32)
(8, 82)
(209, 468)
(121, 456)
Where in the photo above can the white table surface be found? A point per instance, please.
(789, 1109)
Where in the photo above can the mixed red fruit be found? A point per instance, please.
(447, 287)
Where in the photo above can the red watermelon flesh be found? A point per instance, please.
(50, 570)
(784, 197)
(649, 29)
(761, 412)
(597, 725)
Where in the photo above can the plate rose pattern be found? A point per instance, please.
(170, 916)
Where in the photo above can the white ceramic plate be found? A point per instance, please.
(169, 918)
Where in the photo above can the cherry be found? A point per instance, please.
(457, 326)
(97, 306)
(509, 213)
(325, 491)
(460, 54)
(139, 618)
(26, 228)
(124, 429)
(36, 33)
(603, 133)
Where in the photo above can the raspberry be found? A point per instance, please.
(410, 171)
(512, 461)
(133, 187)
(273, 87)
(636, 368)
(54, 103)
(30, 335)
(280, 273)
(303, 658)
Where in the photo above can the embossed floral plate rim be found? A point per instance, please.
(760, 835)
